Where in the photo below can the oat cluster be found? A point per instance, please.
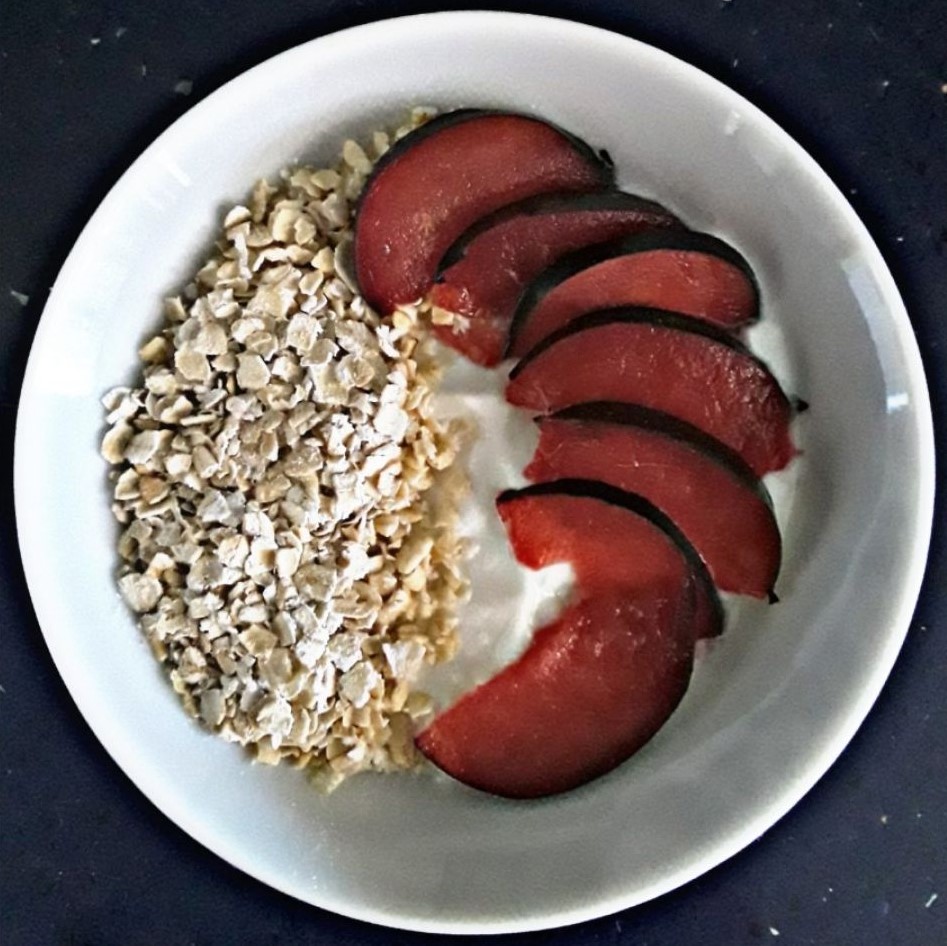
(287, 498)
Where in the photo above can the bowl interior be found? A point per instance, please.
(771, 704)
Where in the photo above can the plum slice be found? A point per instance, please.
(689, 369)
(611, 537)
(704, 487)
(598, 682)
(692, 273)
(592, 688)
(485, 271)
(438, 180)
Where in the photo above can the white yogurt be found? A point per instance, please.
(508, 602)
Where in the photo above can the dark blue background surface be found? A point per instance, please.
(86, 85)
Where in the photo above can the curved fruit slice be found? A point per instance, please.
(611, 537)
(438, 180)
(704, 487)
(683, 367)
(484, 273)
(592, 688)
(691, 273)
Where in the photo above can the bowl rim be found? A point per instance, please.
(564, 30)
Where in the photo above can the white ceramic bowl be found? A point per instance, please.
(769, 709)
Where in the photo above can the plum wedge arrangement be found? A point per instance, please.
(656, 426)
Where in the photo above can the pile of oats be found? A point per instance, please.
(288, 500)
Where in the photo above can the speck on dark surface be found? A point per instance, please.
(84, 859)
